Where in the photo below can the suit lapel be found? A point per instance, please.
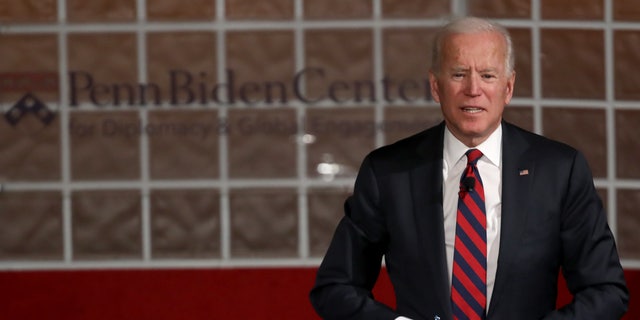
(426, 190)
(517, 174)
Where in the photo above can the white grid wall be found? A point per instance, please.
(224, 183)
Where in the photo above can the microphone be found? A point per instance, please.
(468, 183)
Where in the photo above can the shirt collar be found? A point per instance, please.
(491, 148)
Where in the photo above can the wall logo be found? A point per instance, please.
(187, 88)
(29, 103)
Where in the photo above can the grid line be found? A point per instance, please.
(610, 117)
(65, 140)
(225, 216)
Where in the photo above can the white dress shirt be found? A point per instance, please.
(490, 167)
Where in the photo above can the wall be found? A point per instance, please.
(154, 135)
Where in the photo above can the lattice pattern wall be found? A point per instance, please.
(227, 133)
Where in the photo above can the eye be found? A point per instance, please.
(457, 75)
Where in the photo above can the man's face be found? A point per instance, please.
(472, 85)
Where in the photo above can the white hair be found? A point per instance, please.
(471, 25)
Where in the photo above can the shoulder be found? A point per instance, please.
(537, 147)
(536, 141)
(406, 153)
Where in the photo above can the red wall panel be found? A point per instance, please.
(265, 293)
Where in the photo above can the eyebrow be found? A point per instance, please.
(460, 69)
(466, 69)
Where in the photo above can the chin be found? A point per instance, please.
(474, 131)
(479, 127)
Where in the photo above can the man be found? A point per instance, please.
(475, 217)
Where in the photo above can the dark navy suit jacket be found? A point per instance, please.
(552, 220)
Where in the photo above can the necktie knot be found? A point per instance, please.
(472, 156)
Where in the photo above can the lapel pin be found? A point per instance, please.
(436, 318)
(523, 172)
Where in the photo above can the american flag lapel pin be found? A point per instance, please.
(523, 172)
(436, 317)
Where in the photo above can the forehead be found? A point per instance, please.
(487, 48)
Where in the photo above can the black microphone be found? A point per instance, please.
(468, 183)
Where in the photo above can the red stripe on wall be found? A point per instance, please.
(269, 293)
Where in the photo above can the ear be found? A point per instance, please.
(509, 88)
(435, 90)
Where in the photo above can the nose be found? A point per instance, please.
(472, 86)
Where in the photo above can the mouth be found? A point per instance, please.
(471, 109)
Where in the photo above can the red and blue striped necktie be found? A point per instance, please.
(469, 280)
